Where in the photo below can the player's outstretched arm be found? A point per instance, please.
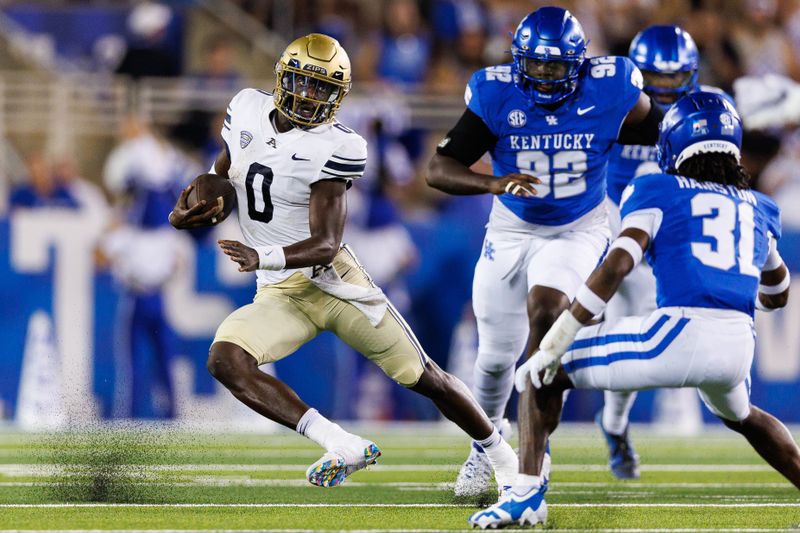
(326, 217)
(450, 176)
(449, 169)
(625, 253)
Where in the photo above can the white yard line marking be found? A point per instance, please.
(371, 505)
(422, 485)
(34, 469)
(337, 530)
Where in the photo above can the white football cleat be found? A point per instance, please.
(333, 468)
(527, 509)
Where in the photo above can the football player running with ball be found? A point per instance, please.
(712, 243)
(291, 163)
(549, 121)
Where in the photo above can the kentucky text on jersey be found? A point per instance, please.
(556, 141)
(566, 147)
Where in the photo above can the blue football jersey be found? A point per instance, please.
(566, 147)
(712, 242)
(629, 161)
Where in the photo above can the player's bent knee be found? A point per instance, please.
(228, 362)
(496, 363)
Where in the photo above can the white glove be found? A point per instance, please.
(530, 369)
(769, 101)
(552, 348)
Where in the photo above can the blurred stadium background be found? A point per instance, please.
(108, 108)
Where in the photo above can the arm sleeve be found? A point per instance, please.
(645, 132)
(469, 139)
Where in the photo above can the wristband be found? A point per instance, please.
(589, 300)
(271, 257)
(561, 335)
(630, 245)
(776, 289)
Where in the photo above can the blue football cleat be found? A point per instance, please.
(332, 469)
(527, 509)
(623, 460)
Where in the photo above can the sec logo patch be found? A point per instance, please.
(517, 118)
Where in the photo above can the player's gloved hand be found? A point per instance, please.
(530, 369)
(197, 216)
(554, 345)
(244, 255)
(516, 184)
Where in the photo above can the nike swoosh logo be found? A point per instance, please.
(294, 156)
(583, 111)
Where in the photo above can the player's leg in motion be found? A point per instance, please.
(243, 343)
(539, 414)
(765, 433)
(395, 349)
(635, 297)
(498, 298)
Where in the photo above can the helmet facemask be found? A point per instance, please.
(308, 98)
(667, 87)
(545, 78)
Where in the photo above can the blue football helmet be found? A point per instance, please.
(666, 50)
(548, 48)
(700, 122)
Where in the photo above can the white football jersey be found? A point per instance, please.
(273, 172)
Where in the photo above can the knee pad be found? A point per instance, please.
(496, 362)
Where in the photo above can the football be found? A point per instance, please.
(209, 187)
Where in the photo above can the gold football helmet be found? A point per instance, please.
(313, 76)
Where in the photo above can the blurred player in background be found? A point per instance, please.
(145, 174)
(712, 243)
(549, 120)
(668, 59)
(291, 164)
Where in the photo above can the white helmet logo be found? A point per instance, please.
(547, 50)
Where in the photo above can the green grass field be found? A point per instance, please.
(182, 481)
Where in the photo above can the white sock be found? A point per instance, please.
(524, 483)
(325, 433)
(616, 409)
(492, 390)
(502, 457)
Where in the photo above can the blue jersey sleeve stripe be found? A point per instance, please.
(343, 167)
(577, 364)
(621, 337)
